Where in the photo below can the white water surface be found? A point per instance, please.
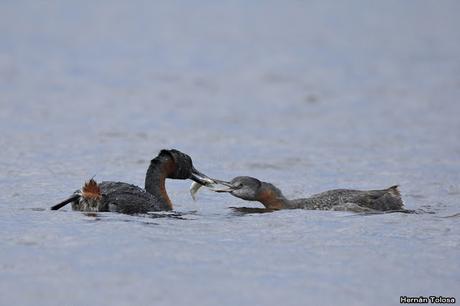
(308, 95)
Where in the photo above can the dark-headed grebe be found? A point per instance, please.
(130, 199)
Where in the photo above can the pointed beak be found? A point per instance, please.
(222, 186)
(201, 178)
(216, 186)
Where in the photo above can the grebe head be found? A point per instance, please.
(246, 188)
(183, 168)
(90, 197)
(249, 189)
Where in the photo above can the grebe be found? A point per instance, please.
(251, 189)
(130, 199)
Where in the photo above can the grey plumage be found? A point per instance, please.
(130, 199)
(386, 199)
(122, 198)
(251, 189)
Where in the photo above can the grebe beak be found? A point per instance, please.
(216, 186)
(223, 186)
(201, 178)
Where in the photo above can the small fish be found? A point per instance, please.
(217, 186)
(194, 189)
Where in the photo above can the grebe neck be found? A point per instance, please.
(160, 168)
(271, 197)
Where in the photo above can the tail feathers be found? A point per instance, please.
(391, 200)
(91, 190)
(394, 190)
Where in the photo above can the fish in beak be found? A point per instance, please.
(215, 185)
(200, 178)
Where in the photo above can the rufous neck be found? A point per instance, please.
(271, 197)
(155, 180)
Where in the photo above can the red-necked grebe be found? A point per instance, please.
(251, 189)
(130, 199)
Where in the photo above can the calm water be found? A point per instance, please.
(307, 95)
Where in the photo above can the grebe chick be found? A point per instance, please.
(130, 199)
(251, 189)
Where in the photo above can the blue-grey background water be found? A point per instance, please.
(308, 95)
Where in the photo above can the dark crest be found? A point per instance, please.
(182, 161)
